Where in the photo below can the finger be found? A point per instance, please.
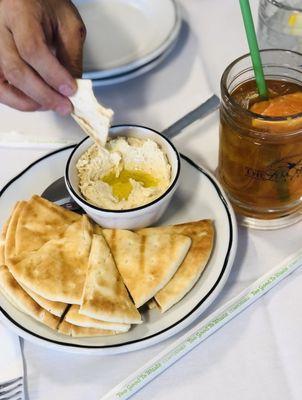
(20, 75)
(70, 40)
(12, 97)
(32, 47)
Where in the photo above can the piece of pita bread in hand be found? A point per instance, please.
(78, 331)
(93, 118)
(14, 293)
(55, 265)
(74, 317)
(146, 263)
(105, 296)
(202, 235)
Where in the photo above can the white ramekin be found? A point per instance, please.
(134, 218)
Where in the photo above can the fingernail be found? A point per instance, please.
(66, 90)
(64, 109)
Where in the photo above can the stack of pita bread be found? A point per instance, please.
(68, 273)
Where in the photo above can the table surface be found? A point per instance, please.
(257, 355)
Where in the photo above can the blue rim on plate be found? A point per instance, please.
(131, 342)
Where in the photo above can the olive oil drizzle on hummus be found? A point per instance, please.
(121, 185)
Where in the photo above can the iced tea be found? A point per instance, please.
(260, 154)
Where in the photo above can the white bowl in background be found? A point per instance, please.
(134, 218)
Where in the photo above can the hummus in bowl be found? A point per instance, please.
(128, 173)
(127, 185)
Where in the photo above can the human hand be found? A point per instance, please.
(41, 48)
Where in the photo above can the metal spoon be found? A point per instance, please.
(57, 192)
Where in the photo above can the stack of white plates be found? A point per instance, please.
(126, 38)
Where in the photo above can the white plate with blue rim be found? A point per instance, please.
(125, 35)
(199, 196)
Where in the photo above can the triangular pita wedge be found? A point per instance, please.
(54, 307)
(40, 221)
(105, 296)
(93, 118)
(74, 317)
(3, 235)
(2, 244)
(2, 239)
(22, 301)
(202, 235)
(55, 269)
(77, 331)
(146, 263)
(10, 230)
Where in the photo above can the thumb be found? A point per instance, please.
(71, 36)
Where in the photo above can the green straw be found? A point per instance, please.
(253, 45)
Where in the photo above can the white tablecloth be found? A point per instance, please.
(256, 356)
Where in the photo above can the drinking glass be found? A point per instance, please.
(280, 24)
(260, 157)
